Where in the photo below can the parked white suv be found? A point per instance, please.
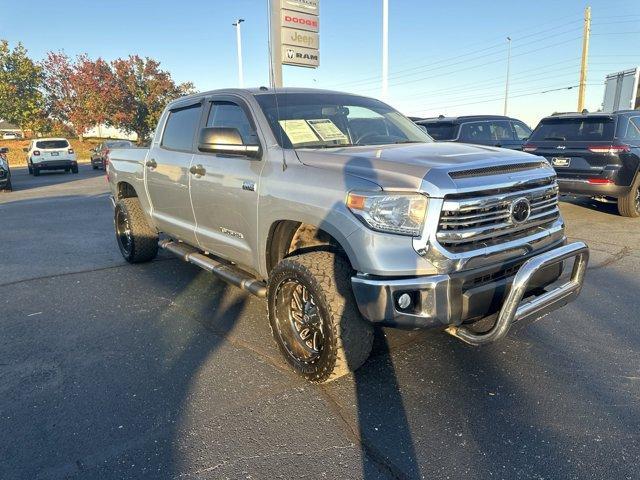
(51, 154)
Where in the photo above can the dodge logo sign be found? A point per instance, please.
(520, 210)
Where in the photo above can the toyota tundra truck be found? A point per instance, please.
(345, 215)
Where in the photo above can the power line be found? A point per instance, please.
(420, 68)
(500, 98)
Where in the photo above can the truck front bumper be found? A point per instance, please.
(448, 301)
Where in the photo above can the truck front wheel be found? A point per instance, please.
(314, 317)
(138, 242)
(629, 205)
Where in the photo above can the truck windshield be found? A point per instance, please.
(574, 130)
(325, 120)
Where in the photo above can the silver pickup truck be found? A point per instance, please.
(345, 215)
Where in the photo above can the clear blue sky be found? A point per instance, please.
(445, 57)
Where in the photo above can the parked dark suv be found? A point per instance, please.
(594, 154)
(494, 130)
(99, 154)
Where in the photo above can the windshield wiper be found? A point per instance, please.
(329, 146)
(560, 139)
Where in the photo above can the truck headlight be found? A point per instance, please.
(401, 213)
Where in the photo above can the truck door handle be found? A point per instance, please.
(197, 170)
(151, 163)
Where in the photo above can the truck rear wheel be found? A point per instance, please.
(629, 205)
(314, 317)
(137, 240)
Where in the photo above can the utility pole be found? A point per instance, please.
(275, 44)
(506, 86)
(385, 49)
(239, 43)
(585, 54)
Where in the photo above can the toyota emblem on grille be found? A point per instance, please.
(520, 210)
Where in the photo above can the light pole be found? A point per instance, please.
(239, 42)
(506, 87)
(385, 48)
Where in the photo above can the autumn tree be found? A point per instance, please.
(80, 92)
(21, 99)
(59, 92)
(142, 91)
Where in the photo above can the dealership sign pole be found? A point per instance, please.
(294, 35)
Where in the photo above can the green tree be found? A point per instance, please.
(142, 91)
(21, 98)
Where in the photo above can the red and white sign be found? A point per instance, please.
(299, 20)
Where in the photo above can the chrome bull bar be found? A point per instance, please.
(514, 310)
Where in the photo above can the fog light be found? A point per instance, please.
(404, 301)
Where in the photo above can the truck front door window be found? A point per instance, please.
(231, 115)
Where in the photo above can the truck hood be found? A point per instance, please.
(405, 166)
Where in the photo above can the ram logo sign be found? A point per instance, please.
(303, 57)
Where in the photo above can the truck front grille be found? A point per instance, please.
(481, 219)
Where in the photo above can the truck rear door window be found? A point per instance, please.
(180, 129)
(575, 129)
(441, 131)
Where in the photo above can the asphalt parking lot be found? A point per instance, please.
(109, 370)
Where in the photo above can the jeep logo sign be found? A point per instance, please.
(303, 57)
(300, 38)
(299, 20)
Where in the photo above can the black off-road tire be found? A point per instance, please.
(7, 187)
(36, 172)
(94, 166)
(74, 169)
(349, 337)
(140, 244)
(30, 169)
(629, 205)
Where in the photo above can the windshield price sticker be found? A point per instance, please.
(327, 130)
(298, 131)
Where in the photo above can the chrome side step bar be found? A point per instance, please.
(228, 273)
(513, 310)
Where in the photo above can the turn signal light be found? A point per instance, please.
(36, 153)
(71, 151)
(610, 149)
(355, 201)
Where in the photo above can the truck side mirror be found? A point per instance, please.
(25, 149)
(4, 149)
(222, 140)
